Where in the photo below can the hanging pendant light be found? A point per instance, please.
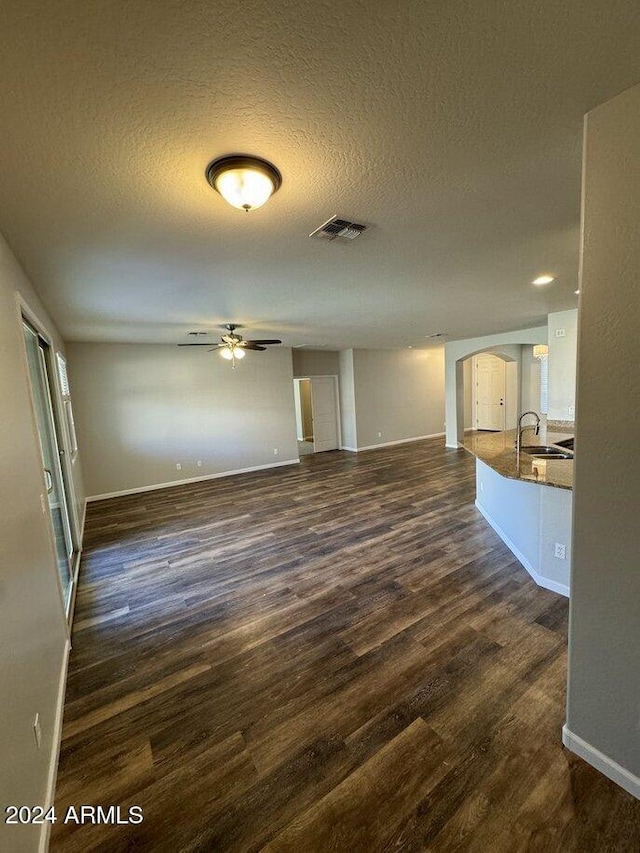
(244, 182)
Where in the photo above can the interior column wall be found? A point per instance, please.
(346, 385)
(604, 639)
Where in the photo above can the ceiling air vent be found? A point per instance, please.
(341, 228)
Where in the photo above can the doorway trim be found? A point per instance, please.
(336, 392)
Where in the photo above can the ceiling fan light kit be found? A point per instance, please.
(244, 181)
(232, 345)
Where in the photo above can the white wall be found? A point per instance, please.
(530, 519)
(33, 634)
(604, 639)
(309, 362)
(142, 408)
(514, 507)
(562, 364)
(399, 394)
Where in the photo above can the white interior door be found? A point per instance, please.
(489, 392)
(325, 414)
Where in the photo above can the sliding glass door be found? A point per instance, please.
(37, 350)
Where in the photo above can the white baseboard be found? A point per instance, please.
(157, 486)
(351, 449)
(610, 768)
(546, 583)
(393, 443)
(43, 844)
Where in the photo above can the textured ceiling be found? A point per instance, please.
(453, 128)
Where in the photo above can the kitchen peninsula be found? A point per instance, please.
(527, 501)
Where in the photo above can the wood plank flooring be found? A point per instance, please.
(335, 656)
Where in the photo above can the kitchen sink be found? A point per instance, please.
(567, 442)
(546, 452)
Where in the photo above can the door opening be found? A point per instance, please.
(304, 415)
(489, 392)
(317, 414)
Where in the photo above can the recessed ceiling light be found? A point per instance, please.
(543, 279)
(577, 292)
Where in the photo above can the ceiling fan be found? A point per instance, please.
(232, 345)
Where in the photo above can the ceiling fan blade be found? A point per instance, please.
(252, 345)
(265, 342)
(207, 344)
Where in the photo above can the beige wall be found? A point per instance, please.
(562, 364)
(142, 408)
(309, 362)
(398, 393)
(33, 632)
(468, 394)
(604, 642)
(512, 393)
(530, 381)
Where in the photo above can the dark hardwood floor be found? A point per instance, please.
(340, 655)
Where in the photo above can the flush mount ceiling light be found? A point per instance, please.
(543, 279)
(243, 181)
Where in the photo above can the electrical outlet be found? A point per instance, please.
(37, 731)
(560, 333)
(560, 551)
(482, 487)
(571, 411)
(199, 463)
(276, 450)
(178, 466)
(379, 434)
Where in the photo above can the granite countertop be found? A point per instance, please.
(497, 449)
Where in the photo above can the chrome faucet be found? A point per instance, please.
(535, 427)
